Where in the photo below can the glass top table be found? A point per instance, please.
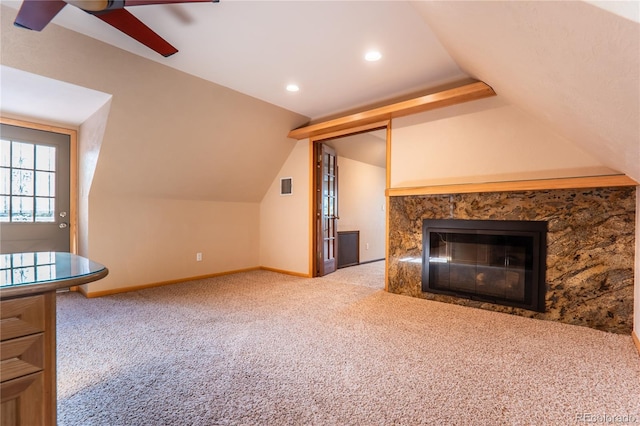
(27, 273)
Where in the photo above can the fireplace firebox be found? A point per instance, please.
(495, 261)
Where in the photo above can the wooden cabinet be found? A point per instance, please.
(27, 360)
(28, 331)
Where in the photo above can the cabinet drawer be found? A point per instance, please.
(21, 356)
(21, 317)
(22, 401)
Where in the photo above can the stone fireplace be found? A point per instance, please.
(589, 250)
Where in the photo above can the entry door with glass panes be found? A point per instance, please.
(34, 190)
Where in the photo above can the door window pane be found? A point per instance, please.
(22, 155)
(22, 209)
(330, 255)
(45, 158)
(45, 184)
(5, 181)
(22, 182)
(4, 208)
(5, 153)
(45, 209)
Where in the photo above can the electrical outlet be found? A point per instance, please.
(367, 246)
(198, 257)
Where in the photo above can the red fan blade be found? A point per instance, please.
(144, 2)
(133, 27)
(36, 14)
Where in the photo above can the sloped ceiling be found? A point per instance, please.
(26, 94)
(258, 47)
(571, 64)
(369, 147)
(169, 134)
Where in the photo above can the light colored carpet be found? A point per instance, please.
(368, 275)
(261, 348)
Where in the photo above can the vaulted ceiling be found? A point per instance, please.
(259, 47)
(573, 65)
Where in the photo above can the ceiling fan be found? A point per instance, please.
(36, 14)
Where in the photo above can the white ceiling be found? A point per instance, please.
(369, 147)
(258, 47)
(26, 94)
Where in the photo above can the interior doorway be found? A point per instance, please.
(326, 188)
(355, 203)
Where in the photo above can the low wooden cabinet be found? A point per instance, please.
(28, 285)
(27, 355)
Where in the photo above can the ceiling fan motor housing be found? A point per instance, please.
(92, 6)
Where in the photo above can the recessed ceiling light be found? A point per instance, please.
(292, 88)
(372, 56)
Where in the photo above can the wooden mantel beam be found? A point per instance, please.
(457, 95)
(610, 181)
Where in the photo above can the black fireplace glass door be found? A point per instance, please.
(485, 264)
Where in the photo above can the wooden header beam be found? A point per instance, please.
(458, 95)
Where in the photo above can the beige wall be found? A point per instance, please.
(146, 240)
(183, 163)
(90, 136)
(361, 203)
(482, 141)
(284, 219)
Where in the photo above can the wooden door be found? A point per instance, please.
(326, 210)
